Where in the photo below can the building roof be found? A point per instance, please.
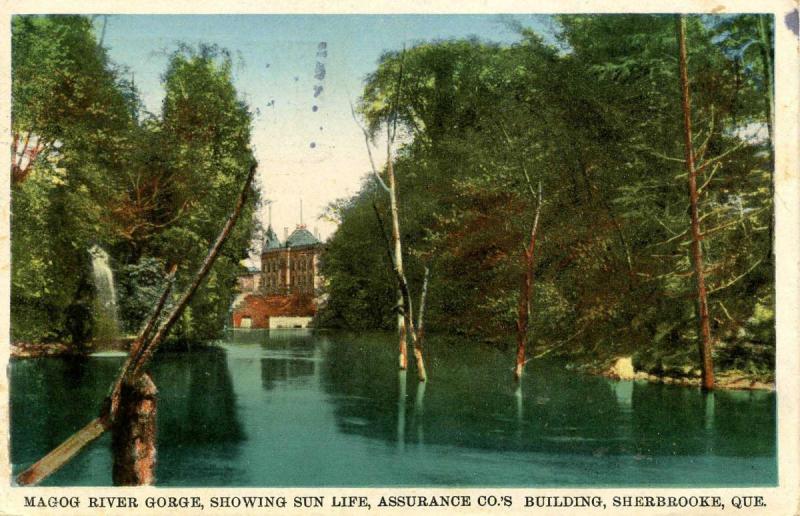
(301, 237)
(271, 240)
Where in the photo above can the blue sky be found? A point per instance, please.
(314, 154)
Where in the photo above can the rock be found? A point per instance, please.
(762, 386)
(738, 383)
(623, 369)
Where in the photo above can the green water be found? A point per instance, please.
(297, 409)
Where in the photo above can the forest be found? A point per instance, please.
(91, 168)
(583, 133)
(563, 163)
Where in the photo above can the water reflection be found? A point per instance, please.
(295, 408)
(401, 409)
(470, 407)
(419, 412)
(518, 397)
(196, 399)
(51, 398)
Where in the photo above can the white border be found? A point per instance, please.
(782, 500)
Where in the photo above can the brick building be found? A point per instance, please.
(291, 267)
(287, 284)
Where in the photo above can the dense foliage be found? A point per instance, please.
(152, 190)
(595, 117)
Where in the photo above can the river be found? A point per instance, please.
(295, 408)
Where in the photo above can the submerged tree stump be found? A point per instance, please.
(133, 439)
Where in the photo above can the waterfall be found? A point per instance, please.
(106, 323)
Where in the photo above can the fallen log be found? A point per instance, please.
(54, 460)
(60, 455)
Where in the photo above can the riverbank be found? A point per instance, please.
(618, 368)
(59, 349)
(622, 369)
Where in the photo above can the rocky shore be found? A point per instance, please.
(622, 369)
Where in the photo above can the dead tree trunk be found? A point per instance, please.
(705, 342)
(526, 289)
(419, 331)
(421, 316)
(406, 306)
(405, 321)
(397, 248)
(133, 434)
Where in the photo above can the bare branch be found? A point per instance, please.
(421, 314)
(701, 152)
(369, 149)
(725, 310)
(521, 163)
(653, 152)
(720, 157)
(710, 176)
(737, 278)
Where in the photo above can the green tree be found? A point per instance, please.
(71, 117)
(596, 119)
(89, 169)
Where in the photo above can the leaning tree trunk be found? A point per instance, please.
(706, 361)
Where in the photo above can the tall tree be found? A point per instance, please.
(705, 342)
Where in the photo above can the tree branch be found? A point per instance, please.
(369, 149)
(737, 278)
(721, 156)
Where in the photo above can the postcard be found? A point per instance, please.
(408, 257)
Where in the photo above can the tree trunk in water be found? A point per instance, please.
(407, 310)
(419, 332)
(526, 288)
(706, 361)
(523, 311)
(398, 262)
(133, 438)
(422, 374)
